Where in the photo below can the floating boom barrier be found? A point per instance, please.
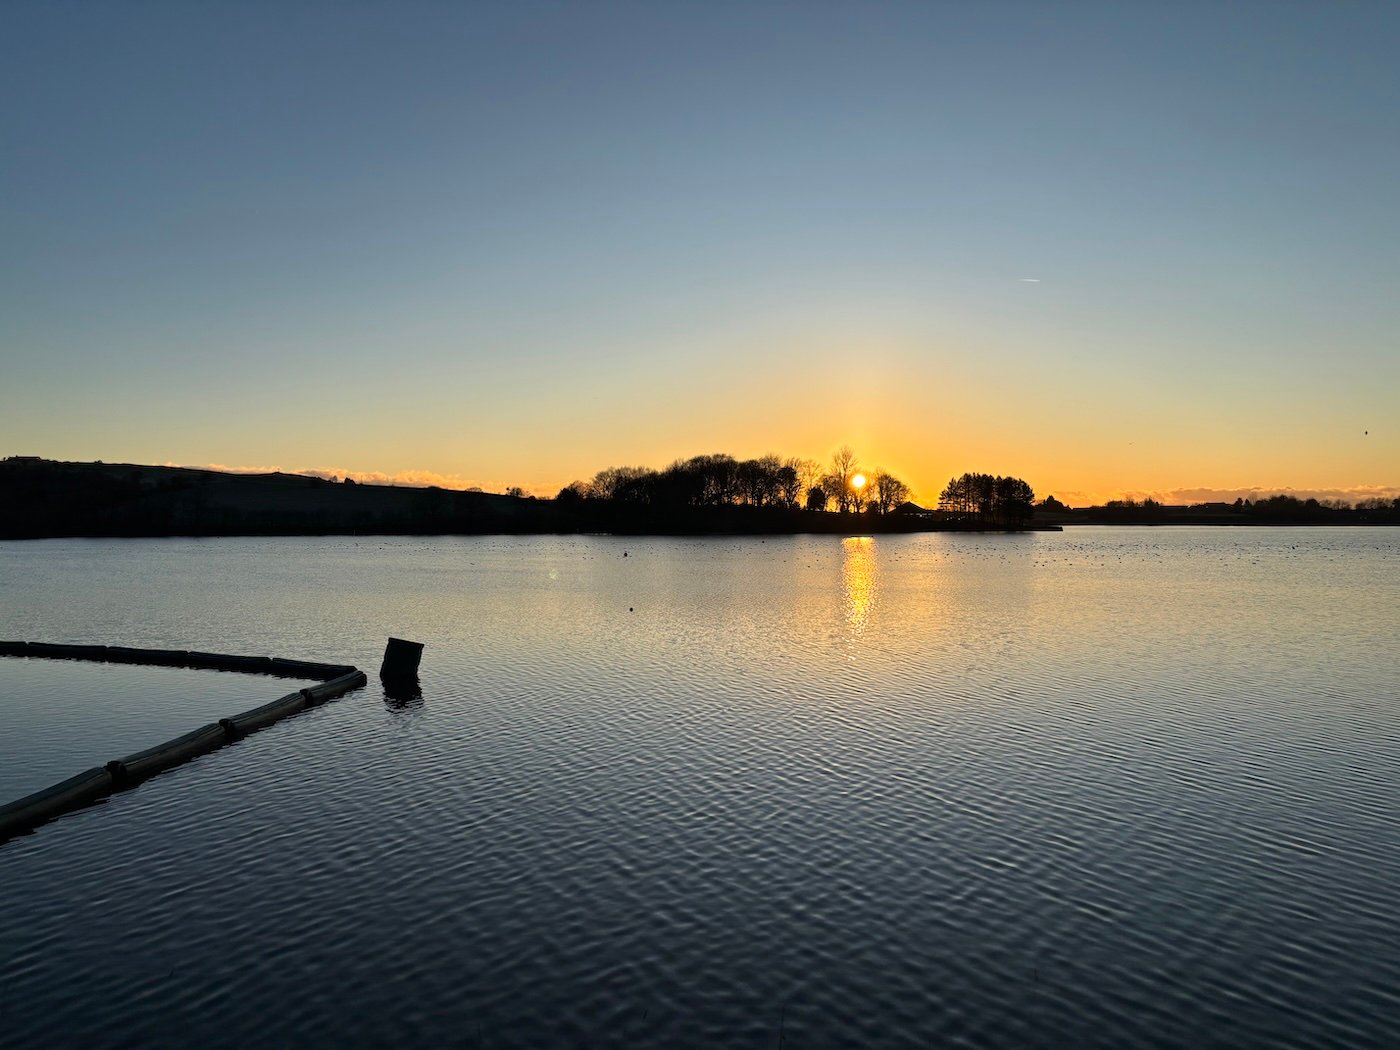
(121, 654)
(88, 787)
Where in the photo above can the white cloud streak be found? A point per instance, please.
(1253, 493)
(406, 478)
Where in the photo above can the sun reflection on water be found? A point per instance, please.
(858, 572)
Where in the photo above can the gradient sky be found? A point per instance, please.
(1108, 248)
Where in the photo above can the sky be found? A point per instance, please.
(1113, 249)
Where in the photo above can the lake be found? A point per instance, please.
(1103, 787)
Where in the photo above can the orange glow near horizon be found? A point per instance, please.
(925, 467)
(919, 412)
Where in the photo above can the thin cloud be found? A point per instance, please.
(222, 469)
(1030, 280)
(1253, 493)
(1211, 495)
(406, 478)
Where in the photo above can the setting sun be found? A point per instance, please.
(858, 481)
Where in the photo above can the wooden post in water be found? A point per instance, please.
(401, 659)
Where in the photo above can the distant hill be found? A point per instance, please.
(41, 497)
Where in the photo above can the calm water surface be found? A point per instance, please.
(61, 717)
(1105, 787)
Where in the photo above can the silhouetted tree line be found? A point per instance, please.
(720, 493)
(988, 500)
(701, 481)
(768, 482)
(1276, 510)
(1270, 510)
(1291, 510)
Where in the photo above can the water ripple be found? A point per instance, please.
(1101, 788)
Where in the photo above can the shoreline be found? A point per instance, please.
(626, 533)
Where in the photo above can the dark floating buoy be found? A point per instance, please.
(401, 659)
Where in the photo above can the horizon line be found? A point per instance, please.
(1079, 499)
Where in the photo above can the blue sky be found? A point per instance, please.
(515, 243)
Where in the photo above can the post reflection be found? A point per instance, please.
(858, 581)
(402, 693)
